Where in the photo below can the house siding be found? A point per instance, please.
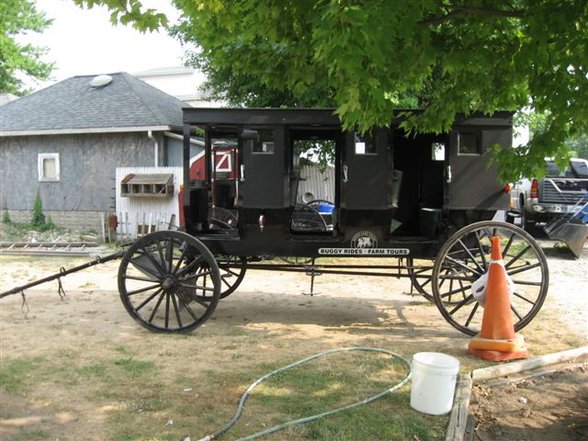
(87, 170)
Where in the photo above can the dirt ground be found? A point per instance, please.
(550, 406)
(346, 311)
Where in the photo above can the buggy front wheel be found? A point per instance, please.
(465, 257)
(162, 278)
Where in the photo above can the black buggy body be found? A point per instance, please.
(393, 195)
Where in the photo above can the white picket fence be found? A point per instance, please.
(141, 215)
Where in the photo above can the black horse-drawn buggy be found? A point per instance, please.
(419, 207)
(424, 202)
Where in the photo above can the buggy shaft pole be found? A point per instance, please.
(63, 273)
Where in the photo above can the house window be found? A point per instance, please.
(48, 167)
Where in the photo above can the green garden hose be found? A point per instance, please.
(308, 419)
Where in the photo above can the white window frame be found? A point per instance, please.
(41, 158)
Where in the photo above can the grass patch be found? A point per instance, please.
(17, 375)
(133, 367)
(327, 383)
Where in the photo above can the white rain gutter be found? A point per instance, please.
(155, 147)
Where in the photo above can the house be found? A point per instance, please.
(66, 141)
(183, 82)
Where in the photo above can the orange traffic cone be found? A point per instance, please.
(497, 340)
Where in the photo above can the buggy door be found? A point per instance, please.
(262, 170)
(472, 181)
(365, 170)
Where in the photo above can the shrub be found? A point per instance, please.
(38, 216)
(6, 217)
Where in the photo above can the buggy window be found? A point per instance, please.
(264, 143)
(365, 144)
(438, 151)
(468, 143)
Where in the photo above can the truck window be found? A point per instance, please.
(580, 168)
(576, 169)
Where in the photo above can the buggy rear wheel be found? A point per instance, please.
(465, 257)
(421, 277)
(232, 271)
(162, 279)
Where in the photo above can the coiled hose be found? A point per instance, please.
(308, 419)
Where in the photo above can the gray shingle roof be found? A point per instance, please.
(74, 106)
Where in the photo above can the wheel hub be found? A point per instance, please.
(168, 284)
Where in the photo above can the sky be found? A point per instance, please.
(84, 42)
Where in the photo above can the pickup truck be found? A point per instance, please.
(540, 200)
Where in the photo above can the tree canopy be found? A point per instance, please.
(18, 60)
(370, 57)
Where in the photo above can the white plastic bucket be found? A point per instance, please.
(433, 382)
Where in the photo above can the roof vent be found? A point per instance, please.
(101, 81)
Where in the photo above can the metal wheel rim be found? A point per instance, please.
(162, 279)
(465, 256)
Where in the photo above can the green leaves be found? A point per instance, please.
(366, 58)
(129, 12)
(17, 17)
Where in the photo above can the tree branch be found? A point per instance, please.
(460, 10)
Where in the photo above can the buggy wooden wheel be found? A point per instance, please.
(421, 277)
(232, 271)
(465, 257)
(162, 279)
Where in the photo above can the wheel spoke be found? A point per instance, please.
(472, 313)
(464, 266)
(523, 298)
(508, 244)
(156, 308)
(481, 250)
(188, 308)
(170, 255)
(177, 311)
(461, 304)
(184, 247)
(140, 279)
(188, 268)
(147, 288)
(523, 268)
(148, 299)
(195, 275)
(517, 256)
(471, 256)
(197, 287)
(167, 296)
(161, 256)
(455, 291)
(153, 261)
(197, 299)
(514, 309)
